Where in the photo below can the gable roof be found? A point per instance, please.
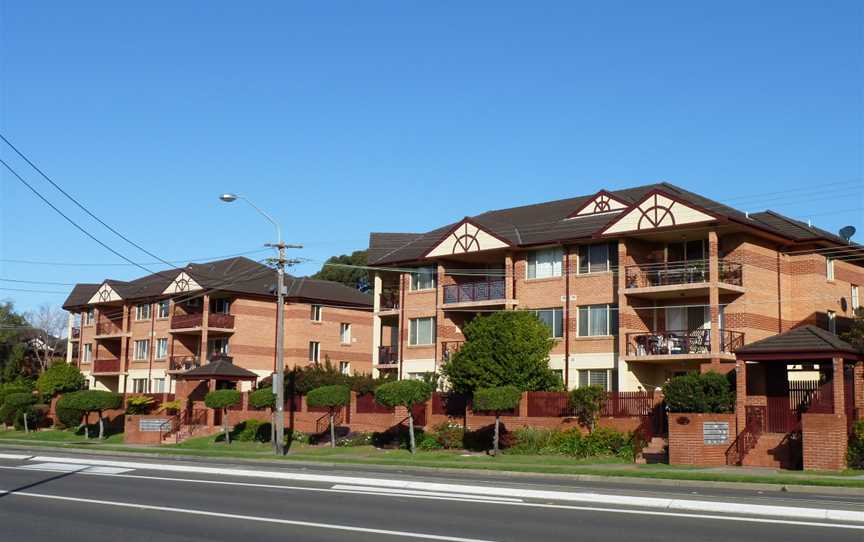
(218, 368)
(804, 339)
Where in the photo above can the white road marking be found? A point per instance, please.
(403, 492)
(260, 519)
(71, 467)
(15, 456)
(491, 491)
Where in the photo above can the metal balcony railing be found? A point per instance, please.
(388, 355)
(389, 300)
(183, 363)
(196, 319)
(484, 290)
(676, 273)
(681, 342)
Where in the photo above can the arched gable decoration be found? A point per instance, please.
(105, 294)
(602, 202)
(183, 283)
(658, 210)
(466, 237)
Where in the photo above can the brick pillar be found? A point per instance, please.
(523, 405)
(205, 321)
(714, 294)
(839, 398)
(124, 341)
(509, 274)
(740, 394)
(439, 314)
(624, 310)
(858, 389)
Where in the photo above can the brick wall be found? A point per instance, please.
(686, 439)
(825, 441)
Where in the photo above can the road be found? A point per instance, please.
(52, 496)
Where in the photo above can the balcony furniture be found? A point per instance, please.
(389, 300)
(681, 342)
(677, 273)
(184, 363)
(388, 355)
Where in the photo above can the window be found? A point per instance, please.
(345, 367)
(164, 309)
(314, 351)
(139, 385)
(545, 263)
(315, 315)
(142, 312)
(598, 320)
(423, 279)
(832, 321)
(345, 333)
(598, 258)
(554, 320)
(88, 317)
(161, 348)
(219, 345)
(421, 331)
(596, 377)
(829, 268)
(194, 303)
(88, 353)
(854, 297)
(158, 385)
(220, 306)
(142, 349)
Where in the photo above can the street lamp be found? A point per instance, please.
(279, 375)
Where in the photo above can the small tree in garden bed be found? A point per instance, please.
(171, 407)
(332, 398)
(97, 401)
(405, 393)
(19, 404)
(139, 404)
(221, 400)
(707, 393)
(265, 398)
(59, 378)
(496, 400)
(586, 403)
(68, 413)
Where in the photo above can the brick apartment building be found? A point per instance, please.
(133, 337)
(637, 285)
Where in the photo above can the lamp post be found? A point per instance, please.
(279, 375)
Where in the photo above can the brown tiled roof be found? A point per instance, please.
(549, 222)
(804, 339)
(219, 368)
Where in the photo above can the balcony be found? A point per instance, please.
(389, 300)
(388, 356)
(106, 366)
(76, 333)
(476, 293)
(669, 345)
(183, 363)
(106, 328)
(193, 322)
(670, 279)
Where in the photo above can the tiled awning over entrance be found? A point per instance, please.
(218, 369)
(805, 342)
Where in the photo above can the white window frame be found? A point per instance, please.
(146, 350)
(139, 385)
(416, 284)
(583, 377)
(140, 311)
(610, 319)
(345, 333)
(832, 321)
(161, 353)
(413, 331)
(829, 268)
(608, 265)
(166, 304)
(87, 353)
(158, 385)
(226, 306)
(317, 313)
(854, 297)
(544, 263)
(557, 318)
(345, 368)
(224, 346)
(88, 317)
(314, 351)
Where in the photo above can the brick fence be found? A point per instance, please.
(687, 443)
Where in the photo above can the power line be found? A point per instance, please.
(33, 291)
(90, 264)
(38, 282)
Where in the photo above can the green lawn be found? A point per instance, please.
(59, 436)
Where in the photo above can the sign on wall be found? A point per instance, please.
(715, 433)
(152, 425)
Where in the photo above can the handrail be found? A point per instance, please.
(173, 427)
(748, 438)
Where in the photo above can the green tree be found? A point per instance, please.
(354, 277)
(587, 402)
(97, 401)
(332, 398)
(19, 404)
(855, 335)
(700, 393)
(12, 324)
(67, 411)
(496, 400)
(59, 378)
(14, 365)
(406, 393)
(265, 398)
(507, 348)
(221, 400)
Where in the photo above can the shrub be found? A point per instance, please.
(405, 393)
(602, 442)
(333, 398)
(396, 437)
(171, 406)
(36, 415)
(855, 452)
(429, 442)
(700, 393)
(22, 386)
(68, 415)
(497, 400)
(354, 439)
(251, 431)
(59, 378)
(139, 404)
(262, 398)
(587, 402)
(221, 400)
(96, 401)
(480, 440)
(19, 407)
(531, 441)
(450, 435)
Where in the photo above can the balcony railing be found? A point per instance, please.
(108, 327)
(220, 320)
(196, 319)
(484, 290)
(76, 333)
(669, 343)
(184, 363)
(677, 273)
(448, 348)
(389, 300)
(110, 365)
(388, 355)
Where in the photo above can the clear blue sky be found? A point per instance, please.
(342, 118)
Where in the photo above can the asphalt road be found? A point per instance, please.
(44, 501)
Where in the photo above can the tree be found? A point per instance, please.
(59, 378)
(354, 277)
(496, 400)
(406, 393)
(48, 323)
(332, 398)
(67, 411)
(221, 400)
(97, 401)
(265, 398)
(12, 349)
(587, 402)
(507, 348)
(855, 335)
(20, 403)
(700, 393)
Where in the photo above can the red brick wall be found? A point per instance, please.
(686, 439)
(825, 441)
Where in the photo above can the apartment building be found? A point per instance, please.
(135, 336)
(636, 285)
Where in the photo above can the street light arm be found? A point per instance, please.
(265, 215)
